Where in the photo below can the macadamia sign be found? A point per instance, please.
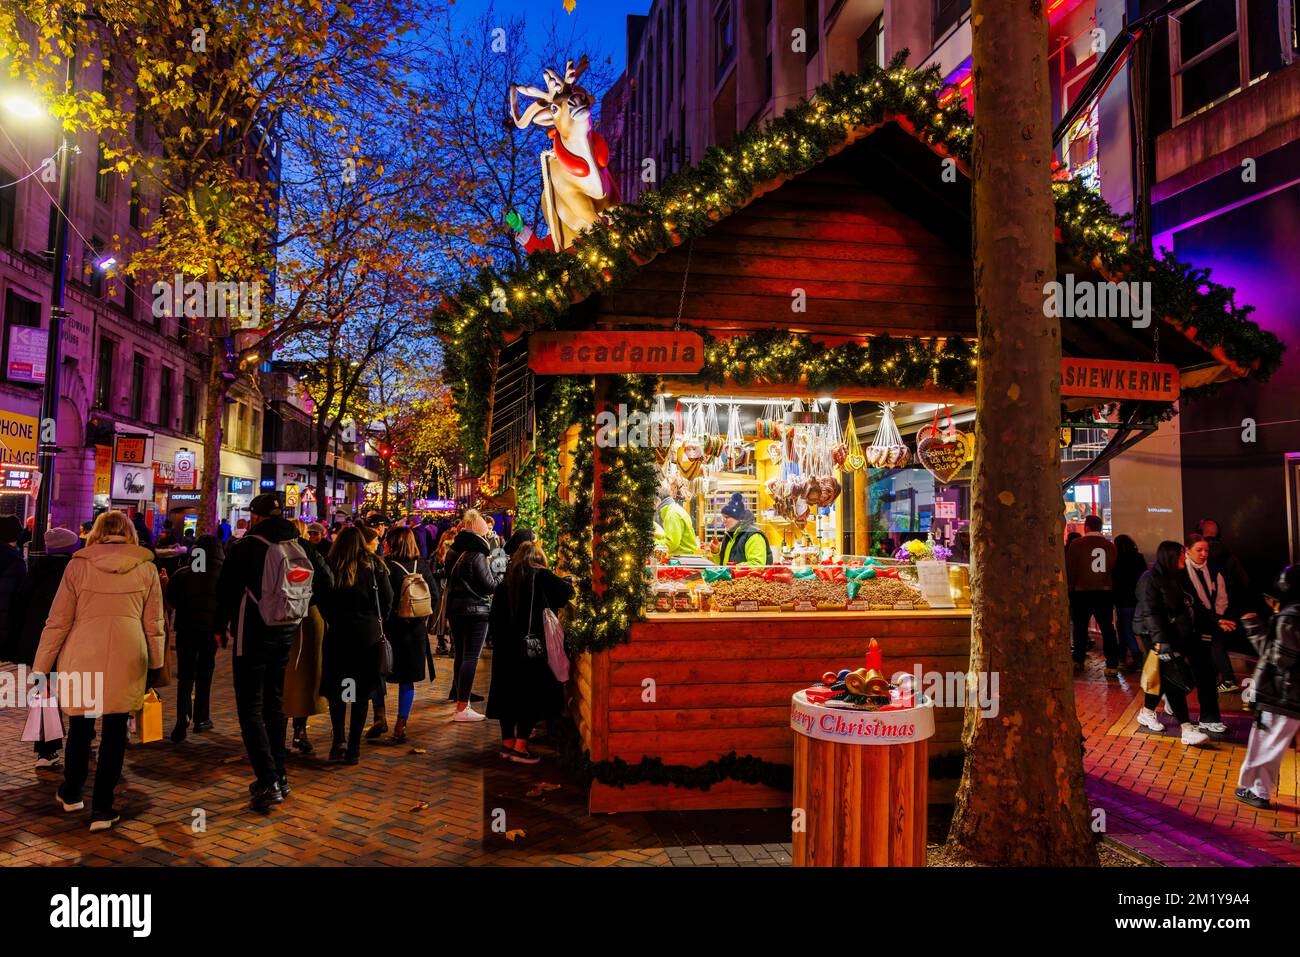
(851, 726)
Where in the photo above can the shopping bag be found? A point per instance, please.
(149, 718)
(556, 656)
(44, 720)
(1150, 681)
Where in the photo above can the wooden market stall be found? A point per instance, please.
(847, 277)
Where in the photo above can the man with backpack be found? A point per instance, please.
(263, 594)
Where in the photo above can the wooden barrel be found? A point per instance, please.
(860, 782)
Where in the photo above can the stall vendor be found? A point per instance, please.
(679, 533)
(745, 543)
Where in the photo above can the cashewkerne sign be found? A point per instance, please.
(615, 352)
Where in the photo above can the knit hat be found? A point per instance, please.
(60, 540)
(735, 508)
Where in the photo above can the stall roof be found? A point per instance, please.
(888, 130)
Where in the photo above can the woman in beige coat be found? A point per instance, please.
(106, 626)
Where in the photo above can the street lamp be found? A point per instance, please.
(24, 107)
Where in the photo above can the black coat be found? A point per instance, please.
(1164, 612)
(31, 606)
(409, 636)
(524, 687)
(1129, 567)
(241, 571)
(12, 572)
(1277, 676)
(352, 617)
(471, 577)
(194, 596)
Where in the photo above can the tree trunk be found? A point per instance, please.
(324, 514)
(1021, 800)
(213, 405)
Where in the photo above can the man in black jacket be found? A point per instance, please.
(192, 593)
(261, 650)
(1276, 691)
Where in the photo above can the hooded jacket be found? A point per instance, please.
(107, 619)
(472, 580)
(241, 576)
(194, 593)
(12, 571)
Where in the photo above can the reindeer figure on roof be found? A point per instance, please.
(576, 184)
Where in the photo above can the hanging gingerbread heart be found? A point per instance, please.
(689, 464)
(944, 455)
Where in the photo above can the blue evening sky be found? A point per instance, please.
(603, 21)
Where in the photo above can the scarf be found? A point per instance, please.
(1217, 598)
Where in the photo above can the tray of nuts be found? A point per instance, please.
(769, 595)
(815, 593)
(887, 593)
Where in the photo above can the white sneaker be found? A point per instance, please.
(55, 761)
(68, 806)
(1193, 736)
(1214, 727)
(469, 714)
(1147, 718)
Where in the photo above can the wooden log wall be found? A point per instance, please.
(723, 683)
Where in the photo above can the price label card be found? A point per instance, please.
(859, 604)
(904, 606)
(804, 605)
(747, 606)
(933, 579)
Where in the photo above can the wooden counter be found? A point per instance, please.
(722, 683)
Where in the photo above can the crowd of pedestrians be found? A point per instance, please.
(1178, 622)
(316, 619)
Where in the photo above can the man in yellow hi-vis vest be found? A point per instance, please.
(679, 532)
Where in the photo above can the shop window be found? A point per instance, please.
(724, 40)
(20, 313)
(96, 274)
(104, 373)
(137, 386)
(1217, 47)
(8, 203)
(165, 397)
(135, 204)
(946, 15)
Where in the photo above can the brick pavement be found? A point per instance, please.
(434, 801)
(1172, 803)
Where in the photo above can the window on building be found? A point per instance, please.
(871, 45)
(813, 28)
(165, 397)
(130, 300)
(102, 175)
(681, 41)
(135, 203)
(137, 387)
(255, 432)
(104, 373)
(96, 274)
(946, 15)
(190, 407)
(1217, 47)
(8, 203)
(724, 39)
(139, 126)
(20, 312)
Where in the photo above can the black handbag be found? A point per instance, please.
(385, 646)
(1177, 671)
(534, 647)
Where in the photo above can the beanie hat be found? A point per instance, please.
(735, 508)
(60, 540)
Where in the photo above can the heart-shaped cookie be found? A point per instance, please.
(688, 464)
(943, 455)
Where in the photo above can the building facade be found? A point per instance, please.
(133, 377)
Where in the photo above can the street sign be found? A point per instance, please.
(17, 439)
(604, 352)
(1113, 379)
(184, 466)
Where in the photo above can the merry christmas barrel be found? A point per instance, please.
(860, 770)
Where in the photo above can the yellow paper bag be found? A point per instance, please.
(1150, 682)
(149, 718)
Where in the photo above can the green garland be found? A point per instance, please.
(538, 295)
